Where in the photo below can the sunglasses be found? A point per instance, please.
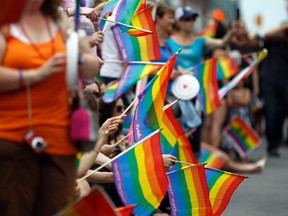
(119, 108)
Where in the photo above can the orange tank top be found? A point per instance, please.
(50, 105)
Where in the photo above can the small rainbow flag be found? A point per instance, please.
(209, 31)
(208, 93)
(188, 191)
(221, 185)
(90, 205)
(132, 73)
(140, 177)
(171, 130)
(242, 74)
(121, 11)
(142, 48)
(149, 111)
(183, 152)
(243, 136)
(212, 159)
(226, 67)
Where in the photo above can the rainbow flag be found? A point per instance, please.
(188, 191)
(221, 185)
(242, 74)
(120, 10)
(142, 48)
(132, 73)
(171, 130)
(243, 136)
(149, 111)
(137, 20)
(226, 67)
(212, 159)
(90, 205)
(183, 152)
(208, 93)
(209, 31)
(140, 177)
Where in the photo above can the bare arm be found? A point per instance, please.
(101, 177)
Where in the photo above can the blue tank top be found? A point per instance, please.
(190, 55)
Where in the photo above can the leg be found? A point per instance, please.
(57, 184)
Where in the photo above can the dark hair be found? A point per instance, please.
(163, 9)
(51, 8)
(220, 30)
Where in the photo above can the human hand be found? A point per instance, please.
(107, 149)
(96, 38)
(110, 126)
(55, 64)
(90, 13)
(168, 160)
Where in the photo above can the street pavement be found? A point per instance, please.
(265, 193)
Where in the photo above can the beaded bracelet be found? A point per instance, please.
(21, 78)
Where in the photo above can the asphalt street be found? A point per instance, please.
(265, 193)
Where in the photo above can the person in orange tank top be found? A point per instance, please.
(35, 98)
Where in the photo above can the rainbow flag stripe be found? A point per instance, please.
(149, 111)
(226, 67)
(212, 159)
(142, 48)
(171, 131)
(129, 77)
(183, 152)
(209, 31)
(188, 191)
(221, 185)
(244, 137)
(140, 177)
(107, 11)
(208, 93)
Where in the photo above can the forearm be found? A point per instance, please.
(101, 159)
(14, 79)
(100, 177)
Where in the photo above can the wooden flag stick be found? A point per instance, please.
(133, 62)
(186, 163)
(125, 111)
(126, 25)
(117, 143)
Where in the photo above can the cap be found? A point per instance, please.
(185, 12)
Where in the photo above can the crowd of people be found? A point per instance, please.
(35, 99)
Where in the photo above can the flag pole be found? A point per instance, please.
(133, 62)
(131, 104)
(126, 25)
(119, 155)
(117, 143)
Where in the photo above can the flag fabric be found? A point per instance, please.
(132, 73)
(171, 130)
(140, 177)
(142, 19)
(245, 139)
(226, 67)
(96, 203)
(120, 10)
(126, 210)
(207, 96)
(221, 185)
(211, 159)
(149, 111)
(142, 48)
(188, 192)
(209, 31)
(183, 152)
(242, 74)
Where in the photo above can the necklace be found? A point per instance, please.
(35, 47)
